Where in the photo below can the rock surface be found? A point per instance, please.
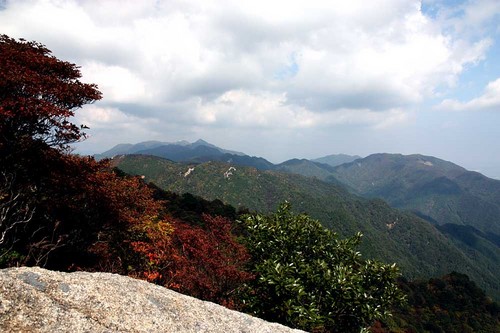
(38, 300)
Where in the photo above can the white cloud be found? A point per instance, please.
(265, 110)
(117, 83)
(489, 100)
(468, 18)
(254, 110)
(101, 117)
(110, 126)
(252, 64)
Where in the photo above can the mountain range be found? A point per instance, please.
(448, 217)
(336, 159)
(175, 151)
(202, 151)
(418, 247)
(440, 191)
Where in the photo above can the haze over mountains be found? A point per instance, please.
(199, 148)
(460, 209)
(202, 151)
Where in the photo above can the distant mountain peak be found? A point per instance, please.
(176, 151)
(336, 159)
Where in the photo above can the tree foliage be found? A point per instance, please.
(38, 95)
(309, 279)
(452, 303)
(205, 262)
(56, 209)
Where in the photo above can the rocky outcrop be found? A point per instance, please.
(38, 300)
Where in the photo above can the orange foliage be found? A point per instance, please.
(92, 214)
(125, 209)
(207, 263)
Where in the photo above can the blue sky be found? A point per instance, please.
(283, 79)
(475, 77)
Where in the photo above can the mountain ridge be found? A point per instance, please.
(463, 205)
(184, 151)
(439, 189)
(336, 159)
(148, 148)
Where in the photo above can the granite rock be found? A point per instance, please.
(38, 300)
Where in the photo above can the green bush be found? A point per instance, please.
(309, 279)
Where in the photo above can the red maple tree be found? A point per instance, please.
(57, 209)
(38, 95)
(204, 262)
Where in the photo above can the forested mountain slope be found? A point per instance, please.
(439, 190)
(390, 235)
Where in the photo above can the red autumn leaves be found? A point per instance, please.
(203, 261)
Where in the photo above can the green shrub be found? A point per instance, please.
(309, 279)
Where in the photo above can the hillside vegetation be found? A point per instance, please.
(451, 303)
(464, 205)
(390, 235)
(439, 190)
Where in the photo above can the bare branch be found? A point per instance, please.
(14, 211)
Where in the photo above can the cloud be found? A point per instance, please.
(265, 110)
(118, 84)
(110, 126)
(254, 110)
(488, 101)
(100, 118)
(259, 64)
(467, 18)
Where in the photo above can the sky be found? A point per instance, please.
(283, 79)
